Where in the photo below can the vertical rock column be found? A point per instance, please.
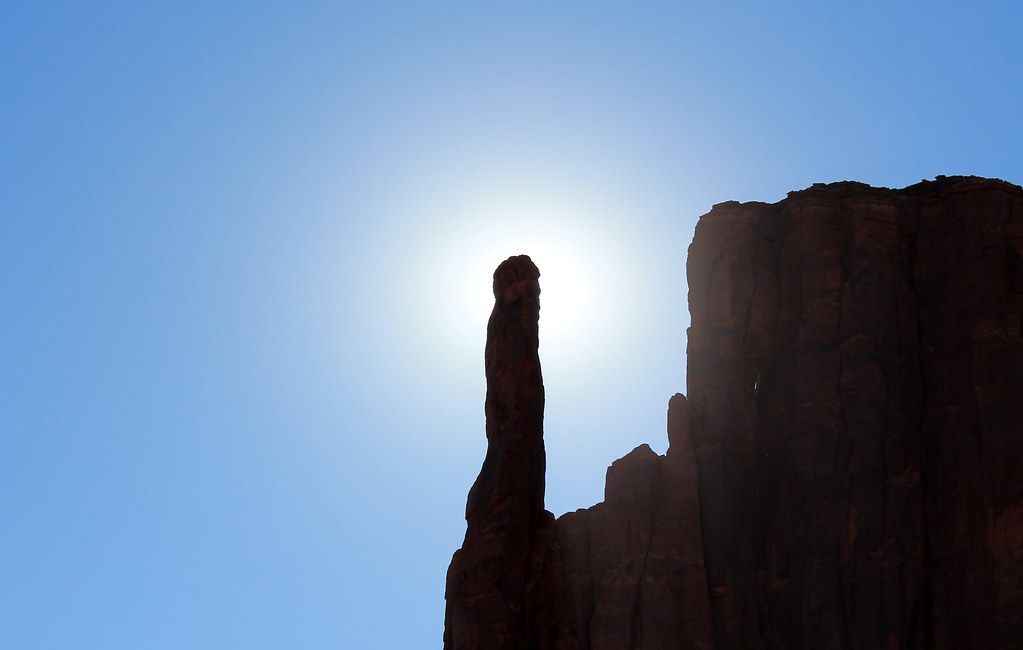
(969, 278)
(732, 296)
(499, 584)
(855, 364)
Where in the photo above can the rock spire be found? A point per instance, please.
(846, 471)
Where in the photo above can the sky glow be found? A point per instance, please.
(246, 255)
(564, 241)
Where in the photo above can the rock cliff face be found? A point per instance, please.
(847, 471)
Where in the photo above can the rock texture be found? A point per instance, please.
(847, 471)
(499, 587)
(856, 364)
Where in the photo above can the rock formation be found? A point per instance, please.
(847, 471)
(499, 585)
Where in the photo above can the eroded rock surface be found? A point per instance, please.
(855, 365)
(847, 471)
(499, 588)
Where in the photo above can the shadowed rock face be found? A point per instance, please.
(847, 471)
(498, 589)
(855, 369)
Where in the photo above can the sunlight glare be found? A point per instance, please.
(563, 239)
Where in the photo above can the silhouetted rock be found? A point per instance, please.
(634, 563)
(847, 471)
(498, 593)
(855, 369)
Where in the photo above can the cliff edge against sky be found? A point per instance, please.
(846, 472)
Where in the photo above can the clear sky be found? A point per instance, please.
(245, 255)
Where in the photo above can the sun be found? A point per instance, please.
(562, 237)
(563, 285)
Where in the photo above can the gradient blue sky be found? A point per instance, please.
(245, 254)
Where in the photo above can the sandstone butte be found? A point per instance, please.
(846, 471)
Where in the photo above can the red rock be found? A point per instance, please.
(855, 365)
(498, 589)
(847, 471)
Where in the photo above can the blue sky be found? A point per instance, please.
(245, 254)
